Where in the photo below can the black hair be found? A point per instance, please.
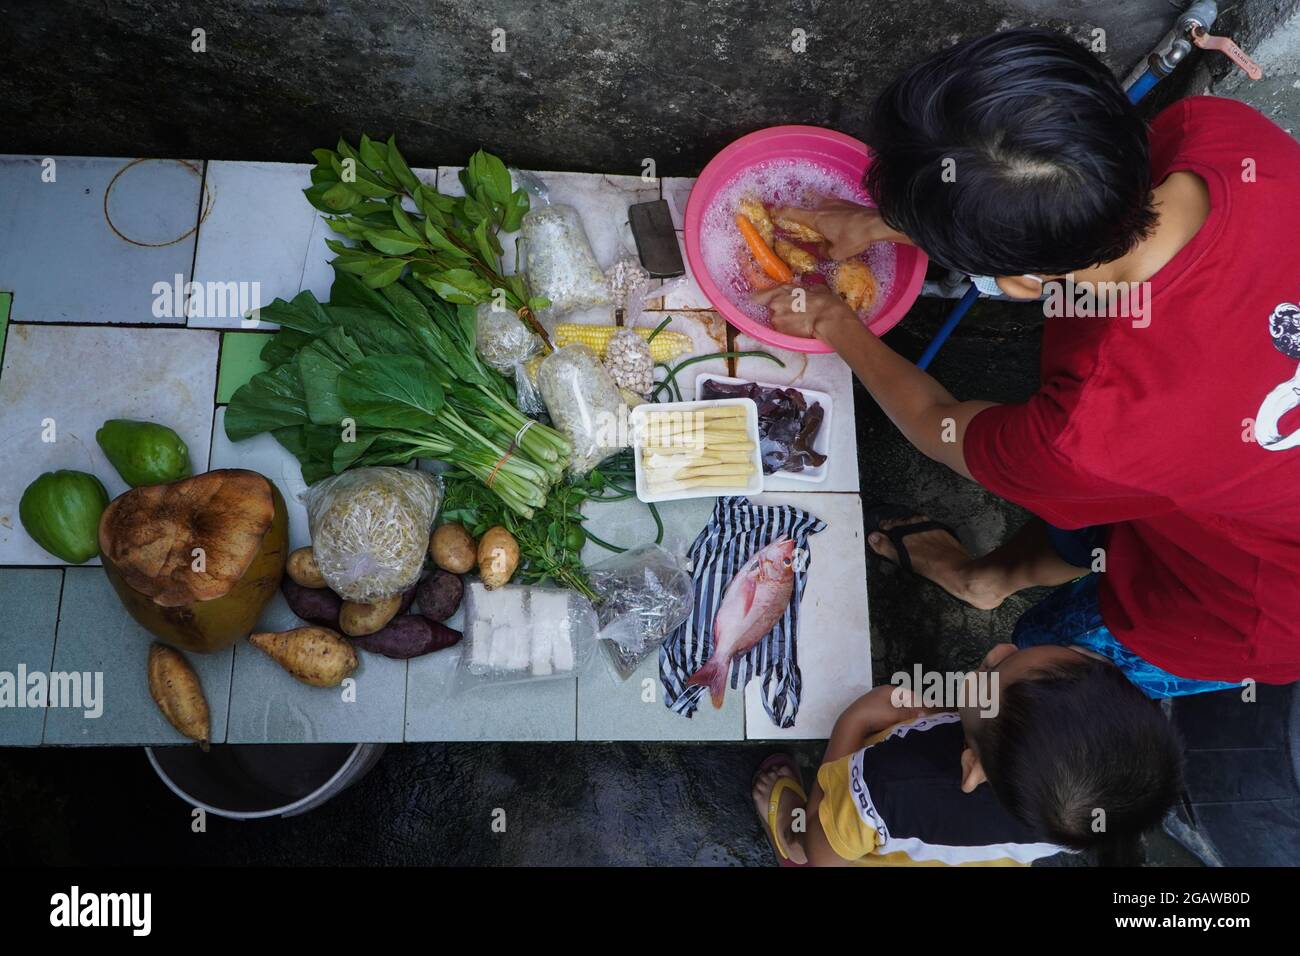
(1074, 739)
(1013, 153)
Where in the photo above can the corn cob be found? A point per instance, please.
(665, 346)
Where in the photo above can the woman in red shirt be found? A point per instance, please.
(1159, 453)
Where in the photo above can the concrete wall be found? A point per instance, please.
(583, 84)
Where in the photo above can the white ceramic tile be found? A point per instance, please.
(79, 377)
(834, 640)
(267, 705)
(90, 245)
(439, 707)
(609, 709)
(266, 456)
(686, 294)
(30, 598)
(317, 274)
(97, 636)
(677, 190)
(257, 233)
(825, 373)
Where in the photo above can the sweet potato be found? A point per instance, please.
(176, 690)
(314, 655)
(440, 595)
(410, 635)
(303, 569)
(453, 549)
(313, 605)
(498, 557)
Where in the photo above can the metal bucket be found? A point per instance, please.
(254, 781)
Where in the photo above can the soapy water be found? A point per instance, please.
(783, 182)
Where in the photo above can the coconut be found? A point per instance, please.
(195, 561)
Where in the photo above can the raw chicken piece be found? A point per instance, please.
(855, 283)
(799, 260)
(798, 230)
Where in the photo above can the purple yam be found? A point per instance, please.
(314, 605)
(408, 636)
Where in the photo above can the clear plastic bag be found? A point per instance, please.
(584, 404)
(520, 633)
(646, 594)
(506, 344)
(560, 263)
(370, 529)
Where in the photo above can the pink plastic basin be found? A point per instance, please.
(835, 152)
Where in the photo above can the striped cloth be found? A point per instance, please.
(736, 531)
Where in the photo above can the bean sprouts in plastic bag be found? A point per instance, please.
(370, 529)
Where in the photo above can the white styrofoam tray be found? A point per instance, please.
(821, 444)
(638, 424)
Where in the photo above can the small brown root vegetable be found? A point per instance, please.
(313, 605)
(314, 655)
(453, 549)
(176, 690)
(409, 636)
(303, 569)
(440, 595)
(356, 620)
(498, 557)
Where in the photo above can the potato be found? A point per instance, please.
(453, 549)
(440, 595)
(176, 690)
(356, 619)
(498, 557)
(313, 605)
(303, 569)
(314, 655)
(409, 636)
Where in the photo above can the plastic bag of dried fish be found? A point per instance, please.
(370, 529)
(645, 593)
(584, 404)
(506, 344)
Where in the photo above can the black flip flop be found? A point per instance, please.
(876, 515)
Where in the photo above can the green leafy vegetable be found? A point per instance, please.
(448, 243)
(383, 376)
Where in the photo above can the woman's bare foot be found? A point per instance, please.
(789, 803)
(939, 557)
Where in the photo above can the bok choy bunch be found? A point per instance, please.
(381, 376)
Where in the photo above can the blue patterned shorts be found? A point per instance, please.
(1069, 615)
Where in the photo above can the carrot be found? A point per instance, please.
(770, 262)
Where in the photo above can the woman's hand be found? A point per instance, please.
(804, 311)
(848, 227)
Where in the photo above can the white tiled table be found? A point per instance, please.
(258, 228)
(86, 239)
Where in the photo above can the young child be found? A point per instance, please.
(1072, 756)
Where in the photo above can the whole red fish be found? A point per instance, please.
(754, 601)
